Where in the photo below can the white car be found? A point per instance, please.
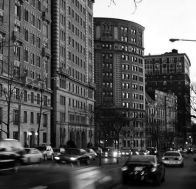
(47, 151)
(173, 158)
(32, 155)
(92, 154)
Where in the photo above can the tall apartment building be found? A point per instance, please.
(161, 119)
(72, 72)
(120, 77)
(25, 88)
(169, 72)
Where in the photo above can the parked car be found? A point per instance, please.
(92, 154)
(32, 155)
(47, 152)
(143, 168)
(11, 154)
(58, 151)
(173, 158)
(73, 155)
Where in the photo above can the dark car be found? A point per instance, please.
(143, 168)
(152, 150)
(73, 155)
(11, 154)
(58, 151)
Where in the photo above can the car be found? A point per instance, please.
(125, 153)
(92, 154)
(74, 156)
(59, 177)
(58, 151)
(194, 157)
(173, 158)
(32, 155)
(11, 154)
(143, 168)
(47, 152)
(152, 150)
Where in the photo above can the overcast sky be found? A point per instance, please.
(162, 20)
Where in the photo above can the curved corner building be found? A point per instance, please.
(119, 76)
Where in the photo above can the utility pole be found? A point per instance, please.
(40, 112)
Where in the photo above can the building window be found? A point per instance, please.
(44, 137)
(38, 118)
(25, 117)
(1, 115)
(32, 97)
(45, 120)
(32, 117)
(45, 100)
(15, 117)
(18, 12)
(1, 90)
(26, 34)
(26, 15)
(62, 117)
(25, 95)
(15, 135)
(1, 20)
(26, 55)
(2, 4)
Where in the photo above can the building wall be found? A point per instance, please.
(25, 68)
(73, 70)
(169, 72)
(119, 74)
(161, 119)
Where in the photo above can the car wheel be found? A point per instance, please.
(182, 165)
(157, 181)
(163, 178)
(40, 160)
(45, 157)
(87, 161)
(124, 181)
(28, 160)
(78, 163)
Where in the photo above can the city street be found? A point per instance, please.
(181, 178)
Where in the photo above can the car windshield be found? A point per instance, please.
(41, 148)
(171, 154)
(56, 149)
(141, 159)
(72, 151)
(27, 150)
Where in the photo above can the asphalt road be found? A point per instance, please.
(179, 178)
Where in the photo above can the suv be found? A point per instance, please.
(47, 152)
(11, 154)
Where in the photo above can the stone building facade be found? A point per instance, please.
(25, 87)
(72, 72)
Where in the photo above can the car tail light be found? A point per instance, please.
(124, 168)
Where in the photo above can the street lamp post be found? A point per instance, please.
(175, 39)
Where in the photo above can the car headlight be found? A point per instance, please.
(124, 168)
(73, 158)
(115, 154)
(163, 158)
(57, 158)
(153, 169)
